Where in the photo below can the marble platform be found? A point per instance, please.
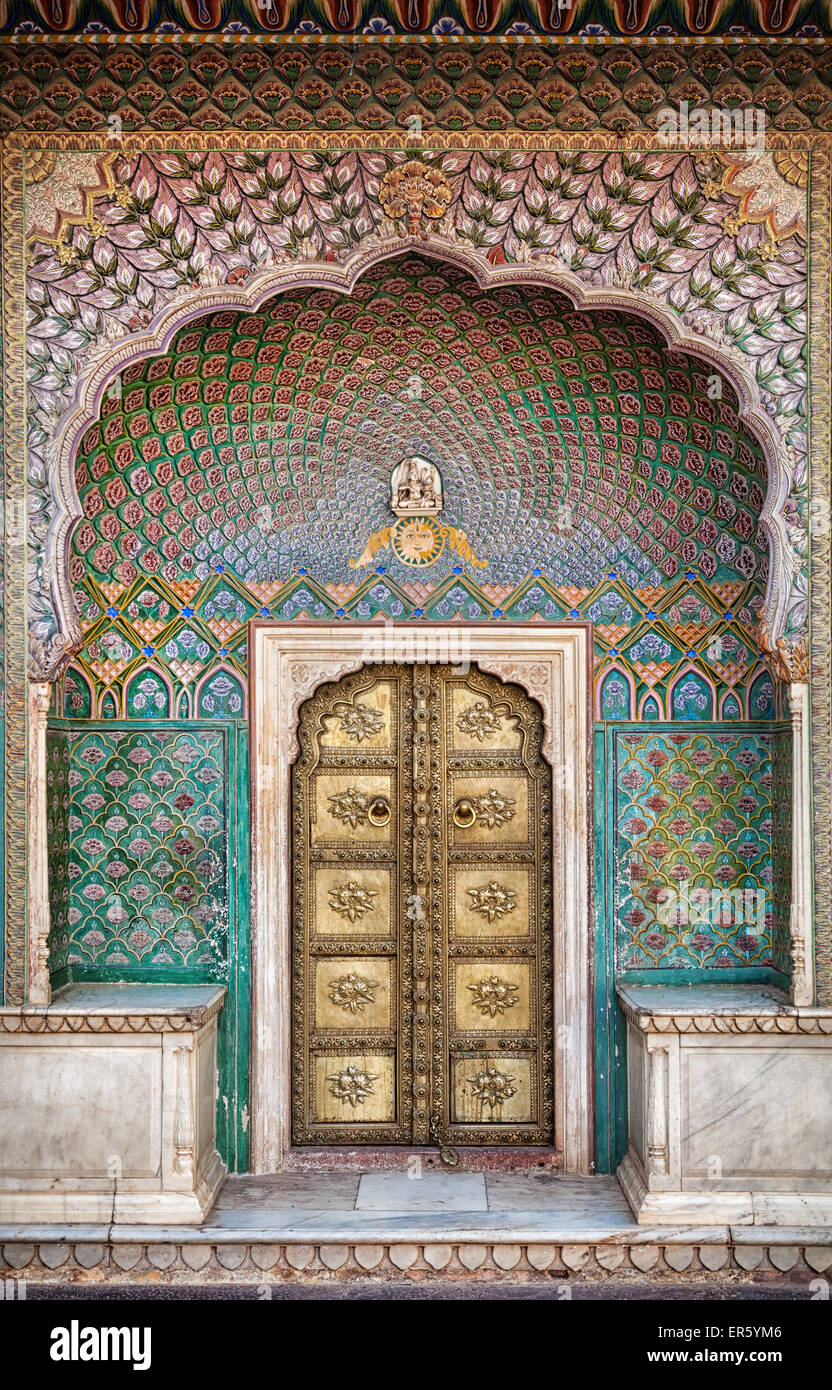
(730, 1106)
(324, 1226)
(108, 1105)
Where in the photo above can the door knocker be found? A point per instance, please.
(464, 813)
(378, 812)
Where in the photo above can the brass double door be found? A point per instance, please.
(422, 931)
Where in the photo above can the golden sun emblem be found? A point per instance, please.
(417, 540)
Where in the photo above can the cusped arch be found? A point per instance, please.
(263, 285)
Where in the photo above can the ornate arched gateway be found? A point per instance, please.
(473, 419)
(571, 470)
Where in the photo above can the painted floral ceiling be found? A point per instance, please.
(435, 18)
(568, 443)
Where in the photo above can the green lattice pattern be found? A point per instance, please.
(138, 872)
(693, 851)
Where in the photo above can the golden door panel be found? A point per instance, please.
(487, 904)
(350, 807)
(492, 996)
(488, 808)
(355, 1086)
(478, 722)
(353, 994)
(363, 723)
(422, 924)
(353, 901)
(493, 1088)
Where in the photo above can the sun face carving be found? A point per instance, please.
(349, 806)
(493, 996)
(493, 901)
(352, 900)
(351, 992)
(359, 721)
(493, 809)
(479, 721)
(352, 1085)
(492, 1087)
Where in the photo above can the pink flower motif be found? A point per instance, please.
(679, 826)
(679, 781)
(657, 849)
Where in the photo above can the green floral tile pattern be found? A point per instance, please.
(144, 883)
(693, 850)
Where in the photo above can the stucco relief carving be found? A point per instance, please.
(144, 323)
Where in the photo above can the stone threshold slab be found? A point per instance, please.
(489, 1227)
(327, 1227)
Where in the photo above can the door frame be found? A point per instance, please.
(288, 661)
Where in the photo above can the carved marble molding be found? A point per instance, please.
(49, 655)
(27, 1020)
(818, 1024)
(289, 661)
(655, 1253)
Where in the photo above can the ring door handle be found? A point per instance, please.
(464, 813)
(379, 812)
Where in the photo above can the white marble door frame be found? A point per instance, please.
(288, 662)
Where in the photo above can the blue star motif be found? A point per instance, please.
(148, 651)
(223, 652)
(573, 613)
(690, 574)
(418, 612)
(381, 569)
(218, 569)
(613, 651)
(650, 614)
(692, 652)
(112, 612)
(302, 571)
(498, 613)
(264, 613)
(457, 569)
(186, 612)
(340, 613)
(613, 574)
(729, 614)
(537, 571)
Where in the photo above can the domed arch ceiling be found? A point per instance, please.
(588, 466)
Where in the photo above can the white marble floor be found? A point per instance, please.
(346, 1205)
(420, 1191)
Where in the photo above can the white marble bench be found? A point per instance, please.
(730, 1106)
(108, 1105)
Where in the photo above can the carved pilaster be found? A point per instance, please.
(40, 699)
(800, 918)
(658, 1119)
(183, 1127)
